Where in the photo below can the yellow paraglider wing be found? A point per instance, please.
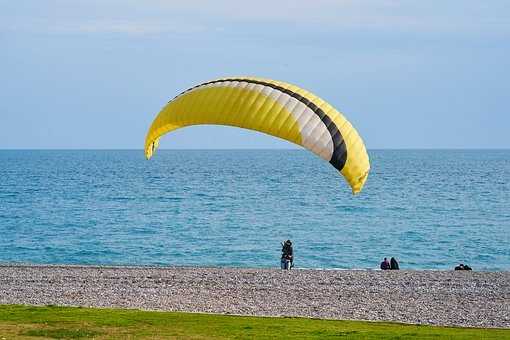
(272, 107)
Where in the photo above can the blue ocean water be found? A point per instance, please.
(430, 208)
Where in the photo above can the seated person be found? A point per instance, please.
(463, 267)
(460, 267)
(385, 264)
(394, 264)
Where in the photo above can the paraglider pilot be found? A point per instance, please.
(287, 261)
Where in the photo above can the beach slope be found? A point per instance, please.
(474, 299)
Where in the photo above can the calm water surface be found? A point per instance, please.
(430, 209)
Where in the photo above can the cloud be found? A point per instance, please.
(409, 15)
(196, 16)
(128, 27)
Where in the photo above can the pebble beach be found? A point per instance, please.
(449, 298)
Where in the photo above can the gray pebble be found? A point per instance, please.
(475, 299)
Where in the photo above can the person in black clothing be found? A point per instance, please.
(394, 264)
(287, 261)
(463, 267)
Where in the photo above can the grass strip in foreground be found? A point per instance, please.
(74, 322)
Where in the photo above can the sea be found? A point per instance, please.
(430, 209)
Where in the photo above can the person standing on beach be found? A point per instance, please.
(394, 264)
(385, 264)
(287, 261)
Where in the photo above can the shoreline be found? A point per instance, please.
(152, 266)
(432, 297)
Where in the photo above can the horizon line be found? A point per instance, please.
(249, 149)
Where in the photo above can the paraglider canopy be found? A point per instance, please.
(272, 107)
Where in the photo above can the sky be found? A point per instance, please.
(407, 74)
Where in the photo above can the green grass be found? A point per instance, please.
(62, 333)
(74, 323)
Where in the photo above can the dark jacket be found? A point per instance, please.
(287, 251)
(394, 264)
